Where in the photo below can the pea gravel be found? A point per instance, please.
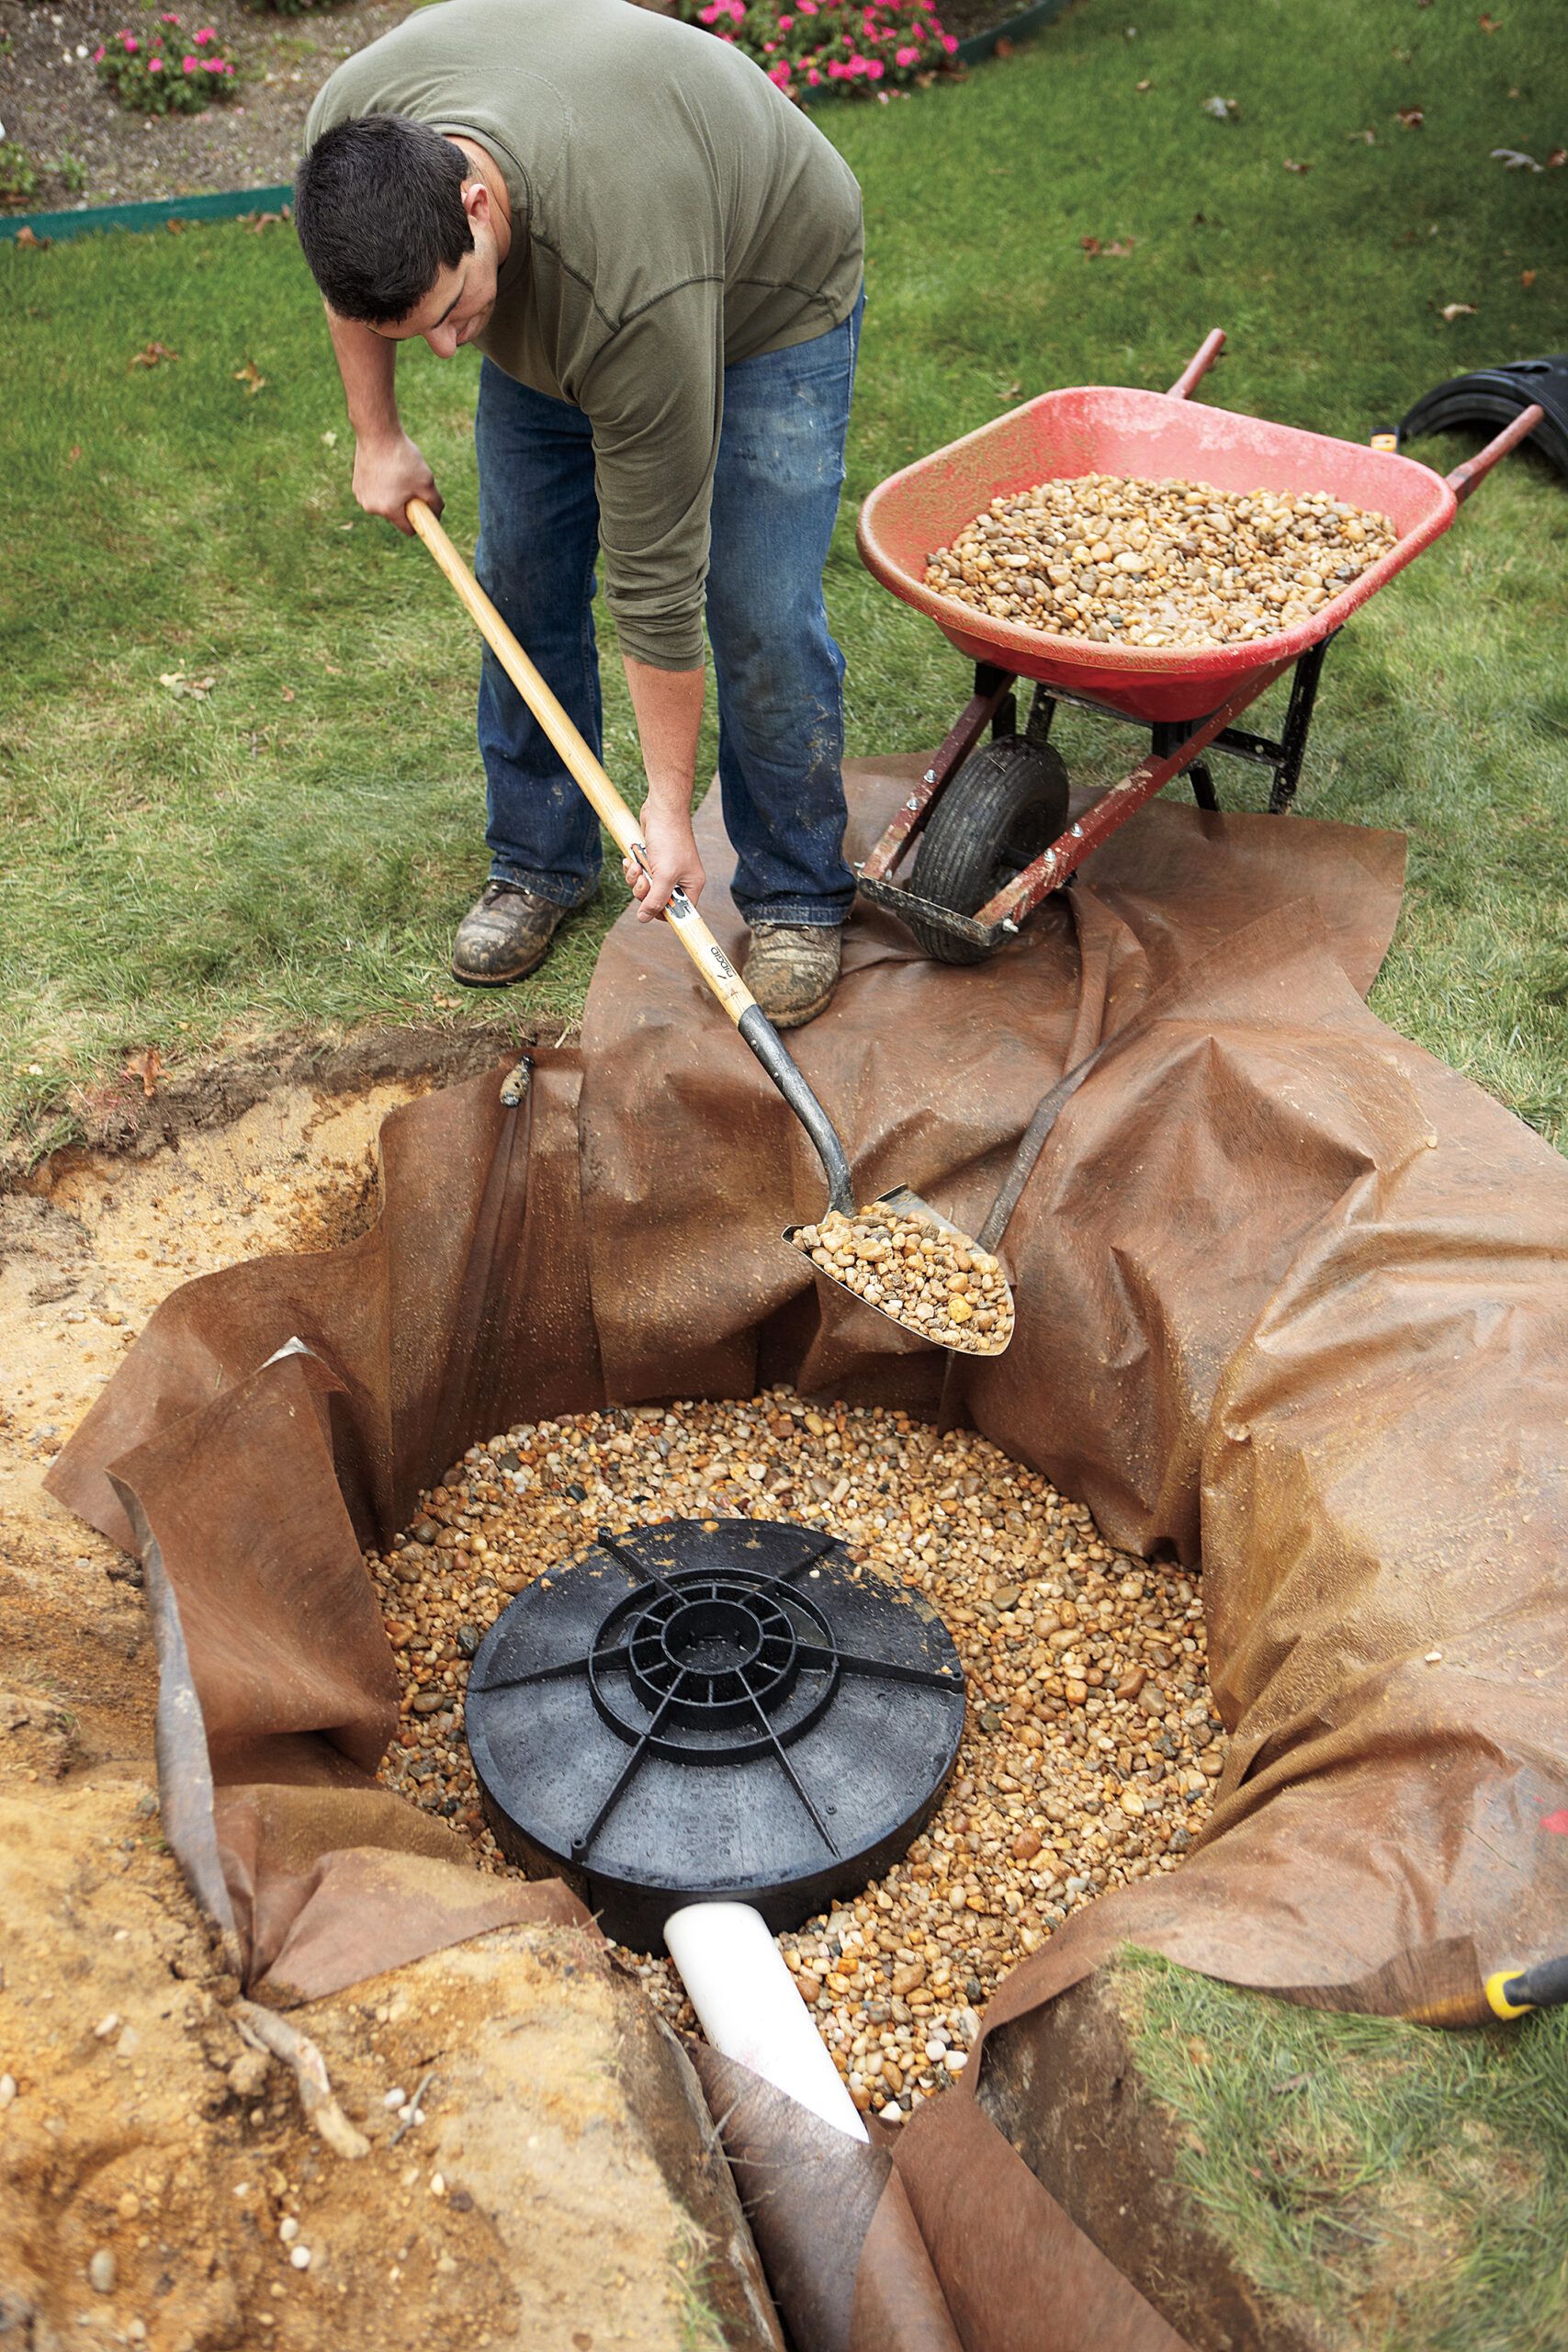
(1127, 560)
(1090, 1745)
(933, 1283)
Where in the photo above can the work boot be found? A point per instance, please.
(505, 935)
(792, 969)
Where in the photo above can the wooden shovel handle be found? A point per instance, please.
(586, 772)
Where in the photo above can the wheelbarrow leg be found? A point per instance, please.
(1168, 736)
(1298, 718)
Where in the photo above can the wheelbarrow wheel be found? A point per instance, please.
(1008, 802)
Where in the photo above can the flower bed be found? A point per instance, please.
(871, 46)
(164, 71)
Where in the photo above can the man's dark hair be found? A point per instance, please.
(379, 207)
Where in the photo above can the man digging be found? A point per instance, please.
(660, 260)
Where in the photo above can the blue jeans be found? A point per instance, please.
(781, 728)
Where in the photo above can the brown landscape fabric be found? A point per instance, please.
(1291, 1301)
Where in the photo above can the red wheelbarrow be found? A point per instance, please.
(990, 826)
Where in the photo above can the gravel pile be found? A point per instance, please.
(937, 1285)
(1129, 561)
(1090, 1746)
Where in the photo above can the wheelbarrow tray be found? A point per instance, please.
(1106, 429)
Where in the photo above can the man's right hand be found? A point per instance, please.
(388, 473)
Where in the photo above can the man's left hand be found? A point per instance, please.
(672, 860)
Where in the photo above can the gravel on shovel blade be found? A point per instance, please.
(1091, 1745)
(936, 1283)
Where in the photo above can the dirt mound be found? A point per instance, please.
(158, 2183)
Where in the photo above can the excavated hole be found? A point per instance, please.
(1090, 1747)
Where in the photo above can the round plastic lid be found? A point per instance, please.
(712, 1710)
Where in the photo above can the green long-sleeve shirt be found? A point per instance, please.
(671, 213)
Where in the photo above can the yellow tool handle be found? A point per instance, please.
(1497, 2000)
(589, 777)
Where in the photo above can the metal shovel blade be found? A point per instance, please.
(900, 1201)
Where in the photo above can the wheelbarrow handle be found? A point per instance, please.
(1463, 478)
(713, 965)
(1198, 367)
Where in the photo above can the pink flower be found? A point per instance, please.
(204, 36)
(836, 69)
(97, 57)
(874, 69)
(949, 43)
(785, 23)
(907, 56)
(187, 65)
(779, 72)
(154, 66)
(807, 8)
(167, 20)
(708, 16)
(812, 75)
(131, 43)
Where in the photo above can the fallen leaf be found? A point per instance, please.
(74, 453)
(1091, 245)
(287, 693)
(147, 1067)
(1290, 2083)
(175, 228)
(249, 375)
(1302, 168)
(1513, 159)
(446, 1004)
(330, 439)
(1558, 157)
(184, 689)
(1142, 86)
(1003, 48)
(260, 220)
(26, 236)
(1452, 311)
(1198, 2051)
(1410, 118)
(1367, 137)
(1526, 278)
(1117, 250)
(1490, 24)
(1223, 110)
(152, 354)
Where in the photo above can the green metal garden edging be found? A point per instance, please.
(232, 203)
(229, 205)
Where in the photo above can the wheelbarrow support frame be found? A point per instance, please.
(1177, 746)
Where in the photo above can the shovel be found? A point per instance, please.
(693, 933)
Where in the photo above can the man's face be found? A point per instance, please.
(456, 308)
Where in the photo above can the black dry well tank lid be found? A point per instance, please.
(714, 1709)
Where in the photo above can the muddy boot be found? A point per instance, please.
(504, 936)
(793, 968)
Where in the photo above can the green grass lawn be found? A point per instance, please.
(1387, 2186)
(291, 849)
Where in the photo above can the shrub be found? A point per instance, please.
(17, 178)
(859, 46)
(295, 7)
(162, 71)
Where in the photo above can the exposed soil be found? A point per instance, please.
(156, 2180)
(55, 105)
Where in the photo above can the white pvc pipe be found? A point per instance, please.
(749, 2007)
